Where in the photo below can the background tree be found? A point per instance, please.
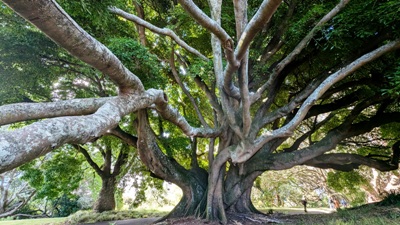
(14, 193)
(115, 163)
(281, 84)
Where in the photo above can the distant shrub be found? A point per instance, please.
(390, 199)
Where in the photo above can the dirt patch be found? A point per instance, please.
(234, 219)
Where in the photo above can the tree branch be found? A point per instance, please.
(89, 159)
(348, 162)
(157, 30)
(246, 150)
(42, 137)
(303, 43)
(185, 90)
(30, 111)
(211, 25)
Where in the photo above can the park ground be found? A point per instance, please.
(370, 214)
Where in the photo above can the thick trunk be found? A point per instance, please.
(237, 197)
(106, 200)
(193, 202)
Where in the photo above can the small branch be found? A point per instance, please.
(161, 31)
(172, 115)
(276, 42)
(262, 16)
(211, 96)
(89, 159)
(185, 90)
(121, 161)
(125, 137)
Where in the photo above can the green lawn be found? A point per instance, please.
(32, 221)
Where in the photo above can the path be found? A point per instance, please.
(140, 221)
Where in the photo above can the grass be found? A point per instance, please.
(40, 221)
(386, 212)
(370, 214)
(88, 217)
(92, 217)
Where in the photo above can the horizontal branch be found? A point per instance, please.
(25, 144)
(155, 29)
(348, 162)
(30, 111)
(172, 115)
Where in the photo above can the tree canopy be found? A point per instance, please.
(209, 94)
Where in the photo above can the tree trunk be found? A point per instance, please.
(106, 200)
(238, 187)
(193, 201)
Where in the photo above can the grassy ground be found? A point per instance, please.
(33, 221)
(366, 215)
(371, 214)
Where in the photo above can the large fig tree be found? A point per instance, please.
(254, 86)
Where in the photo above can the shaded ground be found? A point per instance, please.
(370, 214)
(235, 219)
(140, 221)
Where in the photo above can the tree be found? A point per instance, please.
(289, 82)
(14, 193)
(111, 170)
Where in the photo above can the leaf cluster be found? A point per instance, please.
(57, 176)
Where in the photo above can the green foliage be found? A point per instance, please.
(65, 205)
(23, 69)
(54, 177)
(394, 80)
(341, 181)
(349, 184)
(138, 60)
(94, 17)
(390, 199)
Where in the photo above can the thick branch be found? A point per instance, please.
(23, 145)
(172, 115)
(330, 141)
(348, 162)
(208, 23)
(50, 18)
(30, 111)
(162, 31)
